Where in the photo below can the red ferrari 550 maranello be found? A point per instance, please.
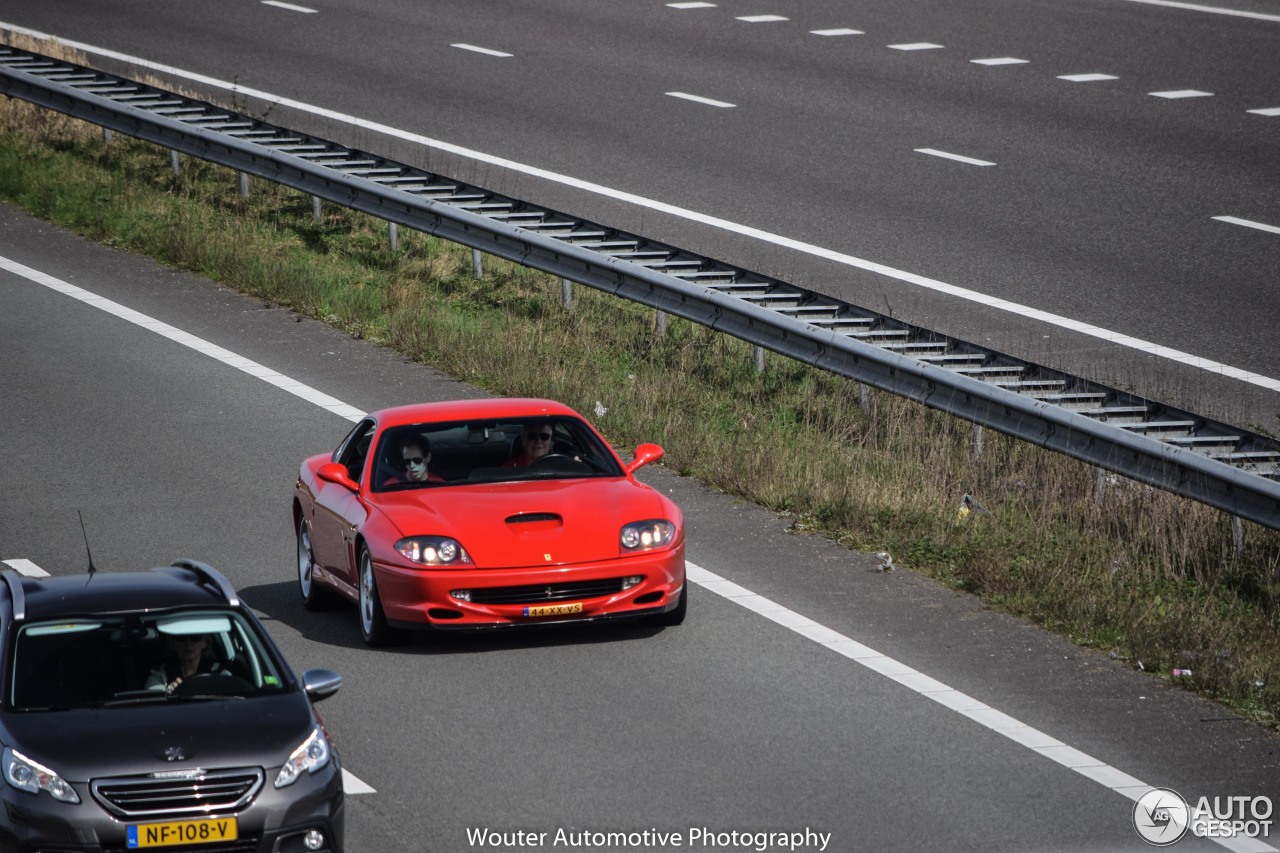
(482, 514)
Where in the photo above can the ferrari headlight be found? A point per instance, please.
(308, 758)
(647, 535)
(26, 775)
(434, 551)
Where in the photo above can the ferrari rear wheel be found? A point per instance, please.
(373, 622)
(314, 597)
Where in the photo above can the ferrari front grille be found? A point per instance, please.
(182, 793)
(538, 593)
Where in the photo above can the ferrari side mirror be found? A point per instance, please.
(336, 472)
(645, 454)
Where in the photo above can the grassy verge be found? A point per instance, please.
(1134, 571)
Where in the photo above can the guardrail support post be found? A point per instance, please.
(244, 185)
(566, 293)
(393, 232)
(477, 270)
(659, 323)
(864, 396)
(977, 439)
(315, 209)
(106, 136)
(759, 359)
(1237, 535)
(173, 161)
(1099, 485)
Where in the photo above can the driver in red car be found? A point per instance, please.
(535, 443)
(415, 454)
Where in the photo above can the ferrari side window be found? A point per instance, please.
(355, 449)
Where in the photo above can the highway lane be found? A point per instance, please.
(731, 722)
(1099, 207)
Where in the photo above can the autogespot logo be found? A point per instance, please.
(1161, 816)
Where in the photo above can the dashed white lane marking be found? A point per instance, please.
(1181, 93)
(485, 50)
(914, 279)
(762, 19)
(351, 783)
(1247, 223)
(1267, 111)
(957, 157)
(1000, 60)
(26, 567)
(252, 368)
(931, 688)
(1086, 78)
(1194, 7)
(698, 99)
(692, 5)
(840, 31)
(289, 6)
(915, 45)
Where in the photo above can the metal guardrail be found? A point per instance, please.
(1233, 469)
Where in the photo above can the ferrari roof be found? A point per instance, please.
(459, 410)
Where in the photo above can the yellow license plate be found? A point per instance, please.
(209, 830)
(554, 609)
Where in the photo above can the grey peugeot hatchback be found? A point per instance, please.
(152, 710)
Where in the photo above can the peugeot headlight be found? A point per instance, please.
(26, 775)
(310, 757)
(434, 551)
(646, 535)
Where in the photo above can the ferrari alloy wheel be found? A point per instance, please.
(676, 616)
(373, 622)
(313, 597)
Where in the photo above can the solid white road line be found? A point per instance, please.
(701, 100)
(26, 567)
(267, 375)
(1195, 7)
(958, 157)
(1181, 93)
(1247, 223)
(289, 6)
(486, 51)
(911, 278)
(351, 783)
(1086, 78)
(930, 688)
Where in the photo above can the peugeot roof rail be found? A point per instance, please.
(211, 575)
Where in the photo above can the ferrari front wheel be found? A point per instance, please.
(676, 615)
(373, 622)
(314, 597)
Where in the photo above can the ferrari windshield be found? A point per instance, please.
(97, 661)
(424, 455)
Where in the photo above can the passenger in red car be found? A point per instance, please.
(415, 455)
(535, 443)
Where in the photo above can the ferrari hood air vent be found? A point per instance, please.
(533, 516)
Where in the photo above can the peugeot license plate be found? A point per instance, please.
(209, 830)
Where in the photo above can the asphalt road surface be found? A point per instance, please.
(1107, 162)
(806, 691)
